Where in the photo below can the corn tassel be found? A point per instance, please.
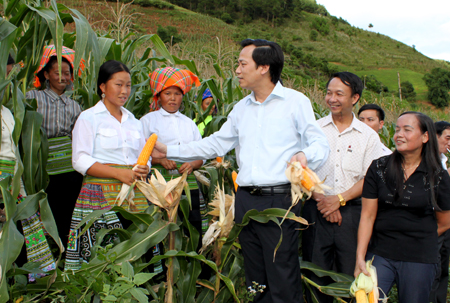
(147, 150)
(234, 176)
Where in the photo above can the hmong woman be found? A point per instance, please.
(172, 127)
(107, 140)
(59, 115)
(37, 248)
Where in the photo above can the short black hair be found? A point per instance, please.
(351, 80)
(441, 126)
(379, 110)
(267, 53)
(107, 70)
(10, 60)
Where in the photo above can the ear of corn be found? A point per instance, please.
(234, 176)
(365, 288)
(306, 181)
(361, 296)
(219, 159)
(147, 150)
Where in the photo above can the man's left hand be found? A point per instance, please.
(328, 204)
(300, 157)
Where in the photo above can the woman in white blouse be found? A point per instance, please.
(172, 127)
(107, 140)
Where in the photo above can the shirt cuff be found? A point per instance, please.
(173, 151)
(83, 164)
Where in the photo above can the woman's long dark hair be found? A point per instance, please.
(430, 158)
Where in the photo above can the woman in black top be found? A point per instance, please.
(405, 205)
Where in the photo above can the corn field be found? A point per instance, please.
(117, 272)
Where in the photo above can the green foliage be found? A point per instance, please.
(375, 85)
(226, 17)
(321, 25)
(154, 3)
(313, 35)
(169, 34)
(408, 91)
(438, 82)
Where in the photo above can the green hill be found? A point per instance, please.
(335, 45)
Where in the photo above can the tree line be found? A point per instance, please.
(231, 11)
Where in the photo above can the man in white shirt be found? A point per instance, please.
(373, 116)
(267, 128)
(331, 241)
(440, 284)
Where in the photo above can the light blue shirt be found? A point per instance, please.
(266, 135)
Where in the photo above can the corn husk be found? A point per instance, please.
(164, 194)
(367, 284)
(201, 178)
(127, 194)
(223, 217)
(221, 163)
(294, 173)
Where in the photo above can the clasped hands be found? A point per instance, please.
(329, 207)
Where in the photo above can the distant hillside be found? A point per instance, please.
(315, 45)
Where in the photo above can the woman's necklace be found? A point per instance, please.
(410, 169)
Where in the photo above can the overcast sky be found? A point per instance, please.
(423, 23)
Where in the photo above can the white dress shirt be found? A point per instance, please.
(8, 148)
(351, 153)
(385, 150)
(99, 137)
(444, 161)
(172, 129)
(266, 135)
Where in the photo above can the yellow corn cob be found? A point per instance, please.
(372, 297)
(234, 176)
(361, 296)
(307, 182)
(147, 150)
(219, 159)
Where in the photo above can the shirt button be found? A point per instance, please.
(336, 180)
(339, 136)
(338, 150)
(337, 165)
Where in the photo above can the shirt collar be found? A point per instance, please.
(100, 108)
(163, 112)
(277, 93)
(54, 96)
(356, 124)
(421, 167)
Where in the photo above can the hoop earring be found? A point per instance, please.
(103, 96)
(47, 83)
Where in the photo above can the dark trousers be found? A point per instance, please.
(281, 275)
(440, 284)
(413, 280)
(62, 194)
(329, 245)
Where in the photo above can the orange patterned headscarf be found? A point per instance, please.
(162, 78)
(50, 51)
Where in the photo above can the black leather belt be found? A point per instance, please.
(267, 190)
